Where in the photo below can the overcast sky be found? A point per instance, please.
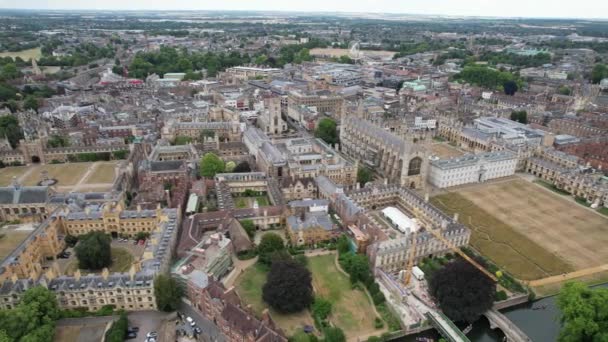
(503, 8)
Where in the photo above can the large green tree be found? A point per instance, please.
(270, 244)
(168, 293)
(211, 165)
(93, 251)
(599, 72)
(9, 128)
(462, 291)
(364, 175)
(584, 313)
(288, 287)
(33, 319)
(326, 130)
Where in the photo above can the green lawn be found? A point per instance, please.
(249, 287)
(603, 211)
(121, 262)
(352, 310)
(247, 202)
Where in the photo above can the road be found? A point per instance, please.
(147, 321)
(211, 333)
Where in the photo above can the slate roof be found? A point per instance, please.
(24, 194)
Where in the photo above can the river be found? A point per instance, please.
(540, 325)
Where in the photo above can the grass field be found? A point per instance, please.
(121, 261)
(7, 174)
(531, 232)
(247, 202)
(103, 173)
(9, 239)
(351, 309)
(445, 151)
(66, 174)
(35, 53)
(249, 287)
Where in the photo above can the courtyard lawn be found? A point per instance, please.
(65, 174)
(103, 173)
(10, 239)
(122, 260)
(247, 202)
(7, 174)
(352, 310)
(249, 287)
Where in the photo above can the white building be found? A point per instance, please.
(422, 123)
(471, 168)
(402, 222)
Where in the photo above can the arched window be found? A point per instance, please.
(414, 166)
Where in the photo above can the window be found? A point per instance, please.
(414, 166)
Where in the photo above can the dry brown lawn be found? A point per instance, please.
(66, 174)
(530, 231)
(444, 150)
(103, 173)
(7, 174)
(10, 239)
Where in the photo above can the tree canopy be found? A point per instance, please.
(599, 72)
(211, 165)
(364, 175)
(33, 319)
(168, 293)
(326, 130)
(584, 313)
(334, 334)
(93, 251)
(288, 287)
(520, 116)
(462, 291)
(242, 167)
(485, 77)
(9, 128)
(270, 244)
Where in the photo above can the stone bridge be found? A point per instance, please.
(511, 331)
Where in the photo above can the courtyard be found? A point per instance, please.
(352, 310)
(11, 236)
(86, 176)
(528, 230)
(243, 202)
(123, 256)
(445, 150)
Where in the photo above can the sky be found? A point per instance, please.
(498, 8)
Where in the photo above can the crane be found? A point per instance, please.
(438, 236)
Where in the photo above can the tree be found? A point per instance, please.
(564, 90)
(326, 130)
(288, 287)
(9, 128)
(205, 134)
(583, 313)
(343, 245)
(242, 167)
(357, 266)
(93, 251)
(510, 87)
(249, 227)
(599, 72)
(462, 291)
(364, 175)
(321, 308)
(58, 141)
(334, 334)
(230, 166)
(269, 244)
(118, 331)
(33, 319)
(31, 102)
(168, 293)
(520, 116)
(211, 165)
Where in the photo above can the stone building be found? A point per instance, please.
(270, 120)
(18, 202)
(398, 160)
(472, 168)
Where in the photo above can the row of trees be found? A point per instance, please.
(211, 164)
(515, 59)
(490, 78)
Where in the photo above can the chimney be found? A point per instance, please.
(265, 212)
(77, 275)
(132, 273)
(266, 316)
(139, 208)
(87, 211)
(50, 274)
(105, 273)
(456, 215)
(14, 278)
(385, 181)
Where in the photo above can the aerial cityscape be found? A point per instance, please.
(261, 171)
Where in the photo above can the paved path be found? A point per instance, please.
(26, 174)
(568, 276)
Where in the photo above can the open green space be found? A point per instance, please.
(26, 55)
(122, 260)
(502, 244)
(247, 202)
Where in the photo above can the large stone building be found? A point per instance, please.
(325, 103)
(18, 202)
(134, 290)
(398, 160)
(270, 120)
(472, 168)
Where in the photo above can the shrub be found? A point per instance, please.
(378, 324)
(321, 308)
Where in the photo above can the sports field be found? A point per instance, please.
(528, 230)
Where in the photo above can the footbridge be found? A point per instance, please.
(446, 327)
(511, 331)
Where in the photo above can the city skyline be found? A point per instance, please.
(476, 8)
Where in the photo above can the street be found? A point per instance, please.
(210, 331)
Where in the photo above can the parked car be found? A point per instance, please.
(133, 329)
(151, 339)
(197, 330)
(152, 334)
(131, 335)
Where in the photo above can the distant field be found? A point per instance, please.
(66, 174)
(9, 240)
(445, 151)
(103, 173)
(34, 53)
(7, 174)
(531, 232)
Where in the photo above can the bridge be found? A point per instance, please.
(446, 327)
(511, 331)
